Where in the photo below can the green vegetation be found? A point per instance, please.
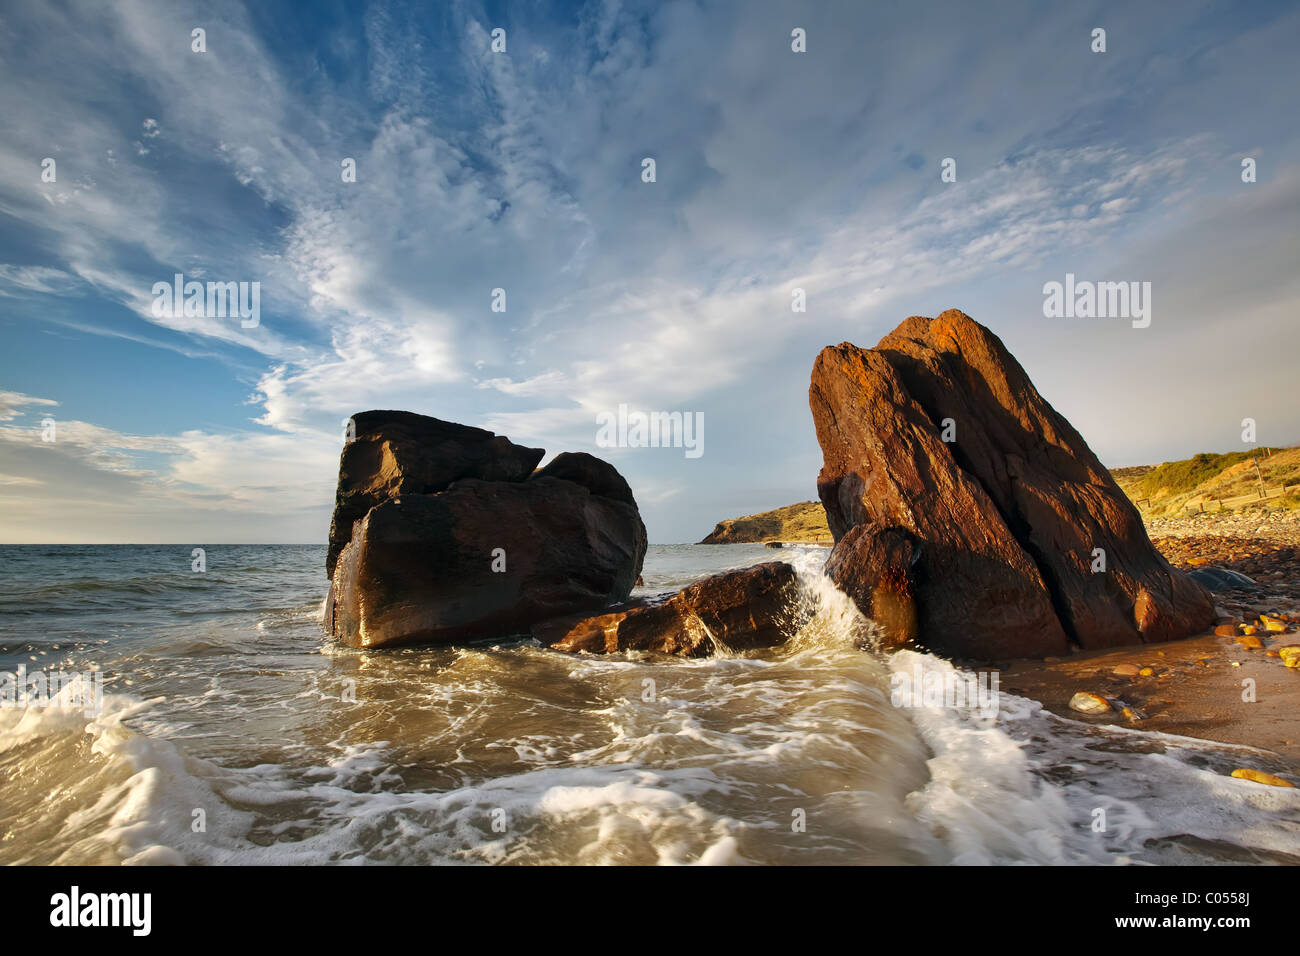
(1185, 475)
(1213, 482)
(805, 521)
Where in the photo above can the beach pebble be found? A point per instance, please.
(1288, 653)
(1146, 672)
(1226, 630)
(1274, 624)
(1250, 643)
(1248, 629)
(1245, 773)
(1087, 703)
(1125, 670)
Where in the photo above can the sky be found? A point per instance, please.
(522, 170)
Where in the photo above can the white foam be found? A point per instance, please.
(793, 755)
(1025, 787)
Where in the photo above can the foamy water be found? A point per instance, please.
(232, 732)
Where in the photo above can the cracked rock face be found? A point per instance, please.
(444, 534)
(1012, 514)
(401, 453)
(739, 610)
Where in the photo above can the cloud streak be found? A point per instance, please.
(478, 171)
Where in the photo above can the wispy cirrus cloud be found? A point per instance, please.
(478, 171)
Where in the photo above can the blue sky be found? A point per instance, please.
(522, 170)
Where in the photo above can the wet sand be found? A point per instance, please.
(1198, 683)
(1183, 696)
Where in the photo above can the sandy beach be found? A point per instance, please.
(1196, 685)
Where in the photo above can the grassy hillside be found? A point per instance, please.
(805, 521)
(1205, 482)
(1213, 482)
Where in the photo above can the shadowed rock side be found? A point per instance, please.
(474, 558)
(397, 453)
(1007, 514)
(597, 476)
(739, 610)
(873, 566)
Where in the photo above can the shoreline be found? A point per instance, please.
(1198, 683)
(1183, 696)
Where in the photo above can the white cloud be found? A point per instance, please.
(12, 402)
(477, 171)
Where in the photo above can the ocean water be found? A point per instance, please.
(233, 732)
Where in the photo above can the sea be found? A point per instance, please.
(223, 727)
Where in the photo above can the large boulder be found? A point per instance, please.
(474, 558)
(398, 453)
(1011, 512)
(736, 610)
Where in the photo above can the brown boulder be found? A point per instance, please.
(426, 569)
(401, 453)
(742, 609)
(596, 475)
(1008, 512)
(873, 566)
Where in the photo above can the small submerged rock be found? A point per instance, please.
(1088, 703)
(1126, 670)
(1259, 776)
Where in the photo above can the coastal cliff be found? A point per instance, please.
(805, 521)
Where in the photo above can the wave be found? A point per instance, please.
(511, 755)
